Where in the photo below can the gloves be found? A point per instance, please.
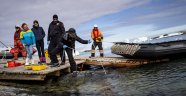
(89, 41)
(65, 46)
(48, 42)
(99, 39)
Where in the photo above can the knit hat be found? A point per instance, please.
(35, 21)
(55, 16)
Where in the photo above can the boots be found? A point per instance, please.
(92, 54)
(101, 55)
(27, 61)
(43, 60)
(40, 59)
(32, 61)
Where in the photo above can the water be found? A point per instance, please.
(164, 79)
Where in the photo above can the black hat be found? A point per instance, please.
(35, 21)
(72, 30)
(55, 16)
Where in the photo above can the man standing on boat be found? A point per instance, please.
(97, 37)
(56, 30)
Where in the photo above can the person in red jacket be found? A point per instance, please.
(18, 46)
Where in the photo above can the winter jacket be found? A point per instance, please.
(69, 39)
(55, 30)
(39, 33)
(27, 37)
(17, 41)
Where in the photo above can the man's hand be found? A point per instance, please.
(65, 46)
(89, 41)
(48, 42)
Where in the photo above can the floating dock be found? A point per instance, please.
(20, 73)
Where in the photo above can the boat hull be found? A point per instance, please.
(173, 49)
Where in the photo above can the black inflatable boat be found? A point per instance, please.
(166, 46)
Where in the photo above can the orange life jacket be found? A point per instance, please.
(97, 35)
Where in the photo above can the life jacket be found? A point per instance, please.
(97, 35)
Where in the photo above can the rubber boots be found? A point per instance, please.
(101, 55)
(92, 54)
(32, 61)
(27, 61)
(43, 60)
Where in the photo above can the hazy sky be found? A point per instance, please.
(118, 19)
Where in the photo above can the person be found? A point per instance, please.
(55, 31)
(67, 42)
(97, 37)
(39, 34)
(18, 46)
(28, 40)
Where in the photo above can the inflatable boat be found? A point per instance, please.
(164, 46)
(5, 53)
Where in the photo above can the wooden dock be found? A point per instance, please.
(20, 73)
(120, 62)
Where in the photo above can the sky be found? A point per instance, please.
(119, 20)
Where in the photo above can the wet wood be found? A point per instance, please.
(120, 62)
(20, 73)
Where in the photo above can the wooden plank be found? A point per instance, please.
(22, 77)
(121, 62)
(22, 70)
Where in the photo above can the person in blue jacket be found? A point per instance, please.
(28, 40)
(39, 35)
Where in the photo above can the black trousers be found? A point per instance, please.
(94, 45)
(69, 52)
(40, 48)
(53, 50)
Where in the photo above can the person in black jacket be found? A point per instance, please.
(39, 35)
(67, 42)
(55, 31)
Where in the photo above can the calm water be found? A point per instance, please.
(165, 79)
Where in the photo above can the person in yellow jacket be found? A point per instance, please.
(97, 37)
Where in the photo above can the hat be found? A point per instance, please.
(72, 30)
(55, 16)
(16, 26)
(35, 21)
(95, 25)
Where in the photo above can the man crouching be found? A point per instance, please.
(67, 43)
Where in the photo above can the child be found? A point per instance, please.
(28, 40)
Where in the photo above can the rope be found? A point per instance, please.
(101, 62)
